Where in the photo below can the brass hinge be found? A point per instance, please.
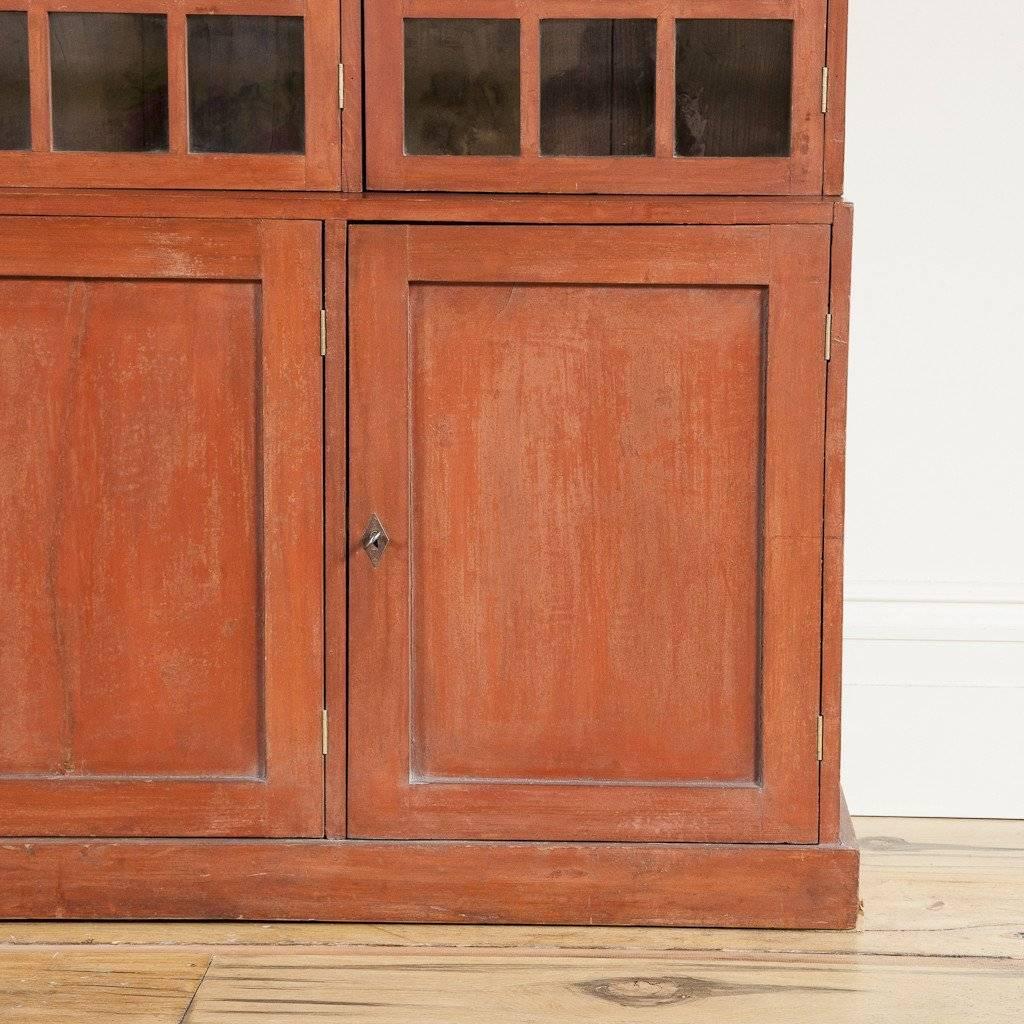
(824, 90)
(341, 86)
(325, 731)
(821, 737)
(828, 337)
(323, 332)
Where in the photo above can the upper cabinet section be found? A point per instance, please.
(170, 93)
(683, 97)
(618, 96)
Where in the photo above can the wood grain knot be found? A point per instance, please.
(641, 992)
(638, 993)
(884, 844)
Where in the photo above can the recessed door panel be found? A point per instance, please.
(585, 531)
(596, 457)
(154, 678)
(136, 584)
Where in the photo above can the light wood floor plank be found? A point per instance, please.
(86, 986)
(531, 990)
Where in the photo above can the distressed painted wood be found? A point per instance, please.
(352, 115)
(176, 542)
(160, 527)
(834, 518)
(596, 616)
(319, 167)
(940, 940)
(336, 528)
(929, 888)
(835, 120)
(735, 258)
(388, 166)
(775, 886)
(230, 257)
(533, 209)
(146, 446)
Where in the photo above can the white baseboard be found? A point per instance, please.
(934, 699)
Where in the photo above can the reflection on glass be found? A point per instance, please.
(246, 84)
(109, 82)
(15, 130)
(462, 86)
(734, 81)
(597, 87)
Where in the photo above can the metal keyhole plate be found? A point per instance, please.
(375, 540)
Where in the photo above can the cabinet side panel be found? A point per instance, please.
(834, 509)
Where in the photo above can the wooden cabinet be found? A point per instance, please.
(589, 96)
(392, 556)
(599, 95)
(596, 453)
(160, 528)
(554, 638)
(227, 95)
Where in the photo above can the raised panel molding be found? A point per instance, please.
(934, 699)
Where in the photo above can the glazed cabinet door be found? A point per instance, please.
(586, 532)
(160, 528)
(226, 94)
(646, 96)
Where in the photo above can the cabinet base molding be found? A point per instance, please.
(748, 886)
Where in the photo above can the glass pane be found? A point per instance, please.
(246, 84)
(109, 82)
(734, 82)
(597, 87)
(462, 86)
(15, 130)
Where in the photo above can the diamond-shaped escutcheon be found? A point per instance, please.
(375, 540)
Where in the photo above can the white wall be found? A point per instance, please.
(934, 668)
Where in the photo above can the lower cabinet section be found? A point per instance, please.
(567, 559)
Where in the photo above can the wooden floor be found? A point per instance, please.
(941, 940)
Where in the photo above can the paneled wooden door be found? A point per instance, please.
(593, 606)
(222, 94)
(160, 528)
(608, 96)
